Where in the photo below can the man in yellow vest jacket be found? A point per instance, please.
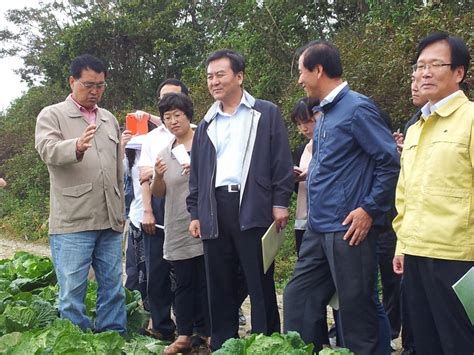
(435, 200)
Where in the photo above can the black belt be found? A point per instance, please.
(229, 188)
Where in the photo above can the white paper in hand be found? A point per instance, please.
(271, 243)
(181, 154)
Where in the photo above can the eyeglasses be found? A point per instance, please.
(176, 115)
(90, 86)
(418, 67)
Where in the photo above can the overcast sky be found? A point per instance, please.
(11, 86)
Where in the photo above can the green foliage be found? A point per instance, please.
(37, 314)
(61, 337)
(24, 207)
(140, 345)
(29, 315)
(276, 344)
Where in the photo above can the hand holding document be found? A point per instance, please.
(182, 157)
(271, 243)
(181, 154)
(464, 289)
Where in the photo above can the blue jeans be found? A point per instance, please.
(73, 254)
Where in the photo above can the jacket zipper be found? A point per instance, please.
(311, 173)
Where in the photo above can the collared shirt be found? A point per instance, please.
(231, 143)
(89, 114)
(154, 142)
(332, 95)
(428, 109)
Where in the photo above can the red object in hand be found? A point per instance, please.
(137, 127)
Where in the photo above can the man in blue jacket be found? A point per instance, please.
(241, 181)
(351, 181)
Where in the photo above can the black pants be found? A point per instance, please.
(408, 342)
(159, 284)
(298, 239)
(440, 323)
(326, 262)
(192, 311)
(222, 257)
(391, 282)
(135, 264)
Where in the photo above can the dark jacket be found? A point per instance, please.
(410, 122)
(267, 174)
(355, 164)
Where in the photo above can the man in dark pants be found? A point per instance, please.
(350, 184)
(241, 181)
(434, 200)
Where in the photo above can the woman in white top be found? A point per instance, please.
(305, 120)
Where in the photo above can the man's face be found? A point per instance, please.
(169, 89)
(223, 84)
(437, 82)
(308, 79)
(416, 97)
(88, 89)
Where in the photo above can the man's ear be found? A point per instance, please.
(318, 70)
(71, 81)
(459, 73)
(240, 77)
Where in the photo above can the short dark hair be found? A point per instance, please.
(460, 56)
(174, 82)
(237, 61)
(323, 53)
(176, 101)
(303, 110)
(86, 61)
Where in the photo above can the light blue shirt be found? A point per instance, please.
(332, 95)
(231, 143)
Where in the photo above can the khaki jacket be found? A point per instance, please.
(435, 191)
(86, 194)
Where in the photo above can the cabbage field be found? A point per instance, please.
(30, 323)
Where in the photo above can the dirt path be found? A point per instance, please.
(8, 247)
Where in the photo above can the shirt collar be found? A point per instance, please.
(247, 99)
(243, 101)
(332, 95)
(429, 109)
(82, 108)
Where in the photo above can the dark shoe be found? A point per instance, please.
(178, 348)
(157, 334)
(200, 345)
(242, 319)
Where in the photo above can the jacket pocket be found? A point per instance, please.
(264, 182)
(113, 138)
(445, 216)
(448, 165)
(76, 202)
(77, 191)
